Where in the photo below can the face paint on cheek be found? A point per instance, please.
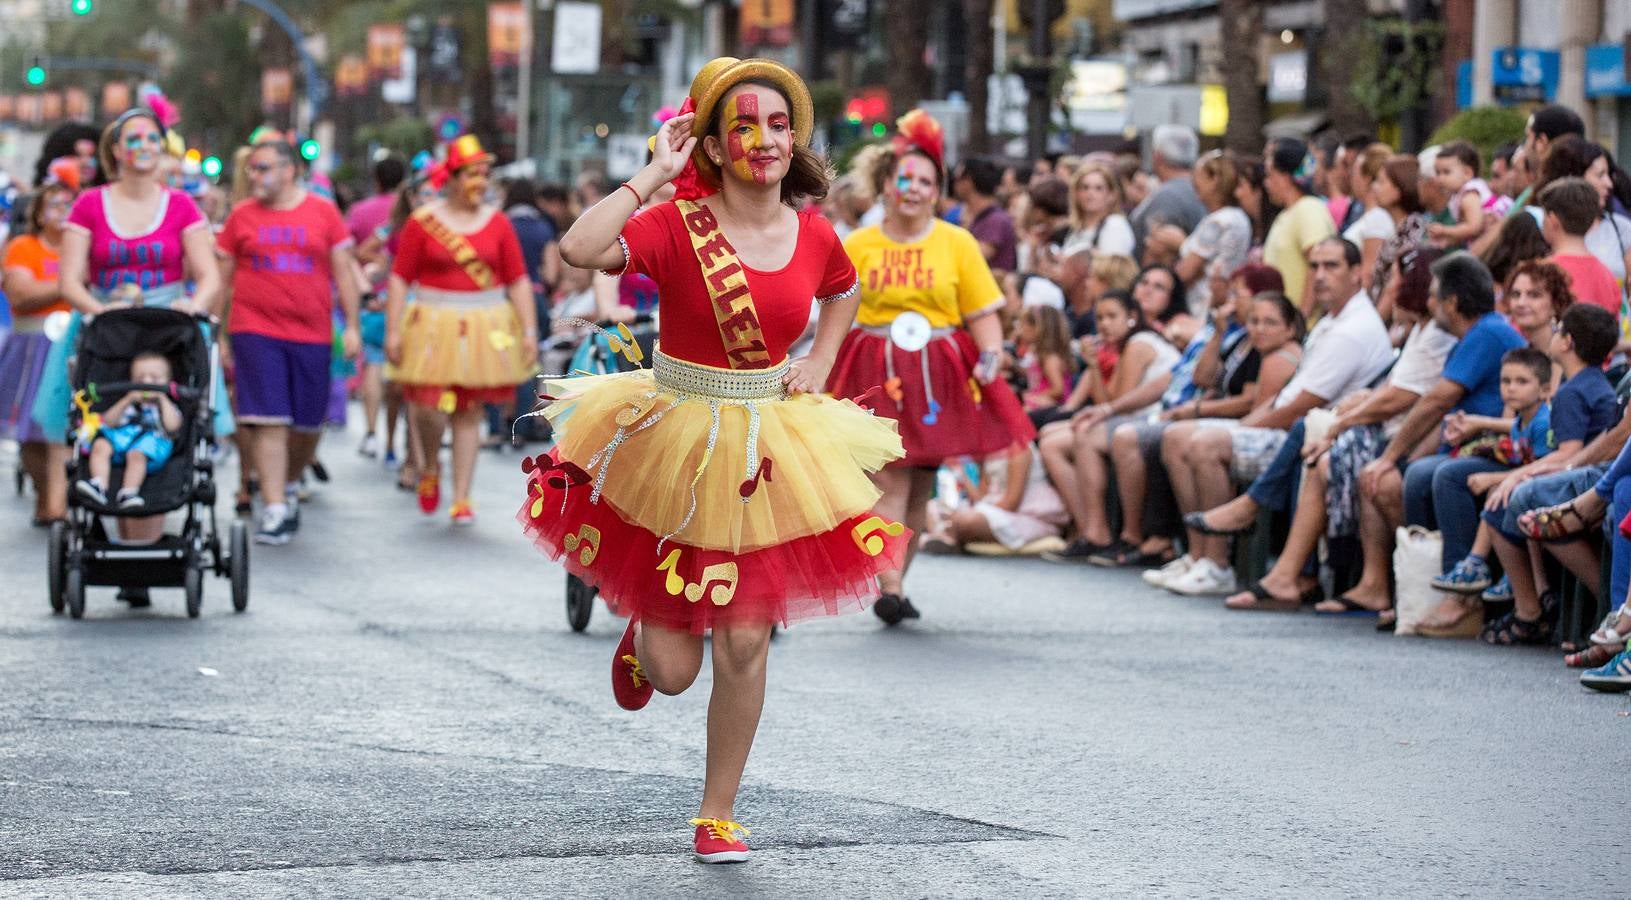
(745, 137)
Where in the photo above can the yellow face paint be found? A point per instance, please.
(751, 150)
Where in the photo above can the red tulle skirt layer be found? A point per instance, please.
(689, 589)
(966, 419)
(436, 395)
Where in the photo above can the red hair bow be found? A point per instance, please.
(688, 185)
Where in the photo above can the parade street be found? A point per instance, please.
(403, 711)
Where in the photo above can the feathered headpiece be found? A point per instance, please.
(917, 130)
(64, 170)
(168, 115)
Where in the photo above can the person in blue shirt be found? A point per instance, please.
(1462, 301)
(1582, 407)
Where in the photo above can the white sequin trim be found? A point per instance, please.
(853, 289)
(625, 267)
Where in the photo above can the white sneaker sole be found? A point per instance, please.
(1208, 591)
(272, 540)
(724, 856)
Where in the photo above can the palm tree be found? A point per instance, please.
(1242, 22)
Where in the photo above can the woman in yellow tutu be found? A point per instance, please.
(717, 490)
(471, 334)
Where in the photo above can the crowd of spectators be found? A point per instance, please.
(1346, 337)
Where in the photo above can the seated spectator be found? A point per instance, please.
(1346, 350)
(1218, 355)
(975, 187)
(1571, 208)
(1016, 508)
(1043, 350)
(1328, 500)
(1156, 290)
(1076, 451)
(1173, 149)
(1375, 225)
(1609, 239)
(1396, 191)
(1583, 409)
(1456, 170)
(1518, 241)
(1219, 245)
(1096, 222)
(1462, 303)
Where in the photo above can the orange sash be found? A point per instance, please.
(457, 244)
(727, 284)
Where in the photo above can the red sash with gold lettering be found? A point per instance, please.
(727, 284)
(459, 246)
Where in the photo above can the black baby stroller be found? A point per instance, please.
(81, 551)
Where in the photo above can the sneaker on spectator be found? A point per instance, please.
(1205, 577)
(391, 462)
(130, 498)
(369, 447)
(1469, 576)
(1500, 592)
(1170, 572)
(1613, 678)
(91, 489)
(276, 529)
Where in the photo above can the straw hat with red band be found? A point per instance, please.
(716, 79)
(466, 150)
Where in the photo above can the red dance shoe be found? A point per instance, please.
(717, 841)
(430, 493)
(629, 684)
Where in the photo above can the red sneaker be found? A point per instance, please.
(716, 841)
(430, 493)
(629, 684)
(463, 513)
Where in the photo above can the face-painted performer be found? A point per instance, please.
(718, 490)
(928, 333)
(471, 334)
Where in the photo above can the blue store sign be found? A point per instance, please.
(1525, 74)
(1605, 71)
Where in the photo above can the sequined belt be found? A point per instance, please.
(714, 383)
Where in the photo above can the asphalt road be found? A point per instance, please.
(404, 712)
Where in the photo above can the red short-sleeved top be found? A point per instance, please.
(658, 245)
(422, 259)
(282, 277)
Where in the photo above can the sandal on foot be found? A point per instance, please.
(1510, 631)
(1555, 523)
(1611, 634)
(1197, 521)
(1467, 625)
(1263, 601)
(1124, 555)
(1590, 658)
(1350, 607)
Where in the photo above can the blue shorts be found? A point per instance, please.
(282, 382)
(128, 439)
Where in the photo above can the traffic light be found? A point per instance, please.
(211, 167)
(310, 150)
(36, 73)
(81, 7)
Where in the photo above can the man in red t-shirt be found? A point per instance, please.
(1571, 207)
(282, 251)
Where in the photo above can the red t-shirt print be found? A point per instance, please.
(282, 277)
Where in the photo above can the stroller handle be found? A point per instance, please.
(110, 389)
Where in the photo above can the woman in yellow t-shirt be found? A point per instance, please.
(927, 345)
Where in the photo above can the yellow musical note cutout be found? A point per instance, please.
(500, 339)
(90, 422)
(448, 402)
(637, 410)
(537, 508)
(670, 564)
(974, 391)
(721, 577)
(587, 538)
(867, 537)
(623, 342)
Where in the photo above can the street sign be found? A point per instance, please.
(576, 47)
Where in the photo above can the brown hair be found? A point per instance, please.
(112, 133)
(1464, 153)
(1373, 158)
(1574, 202)
(1220, 166)
(1052, 331)
(1404, 172)
(36, 206)
(809, 176)
(1549, 277)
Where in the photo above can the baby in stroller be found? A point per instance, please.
(140, 441)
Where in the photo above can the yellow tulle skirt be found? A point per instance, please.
(674, 472)
(454, 345)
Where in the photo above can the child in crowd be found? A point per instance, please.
(1582, 408)
(1456, 169)
(141, 439)
(1570, 207)
(1044, 357)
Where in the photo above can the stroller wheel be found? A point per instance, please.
(57, 562)
(74, 593)
(580, 602)
(193, 584)
(238, 566)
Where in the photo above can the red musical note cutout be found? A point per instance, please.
(752, 484)
(564, 475)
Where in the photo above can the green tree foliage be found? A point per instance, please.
(220, 101)
(1484, 127)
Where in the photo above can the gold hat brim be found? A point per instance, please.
(716, 79)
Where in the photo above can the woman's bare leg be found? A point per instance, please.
(1058, 448)
(740, 653)
(1093, 481)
